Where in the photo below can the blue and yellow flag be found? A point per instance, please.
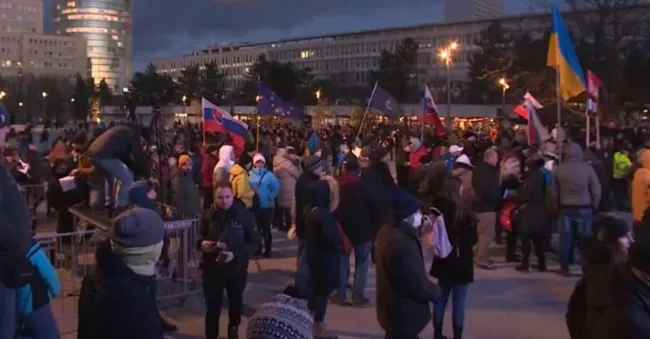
(562, 57)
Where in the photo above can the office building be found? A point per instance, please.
(25, 50)
(107, 27)
(467, 10)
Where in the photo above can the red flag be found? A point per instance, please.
(593, 85)
(430, 113)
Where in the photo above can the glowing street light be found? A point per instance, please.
(184, 98)
(504, 86)
(318, 93)
(72, 100)
(20, 104)
(44, 94)
(445, 55)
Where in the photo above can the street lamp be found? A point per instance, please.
(446, 55)
(2, 94)
(72, 100)
(44, 94)
(504, 87)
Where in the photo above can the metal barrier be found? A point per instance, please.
(36, 197)
(73, 256)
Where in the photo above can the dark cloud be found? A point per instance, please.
(172, 27)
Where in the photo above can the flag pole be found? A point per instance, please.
(559, 115)
(588, 124)
(423, 112)
(363, 119)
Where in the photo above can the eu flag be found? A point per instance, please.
(270, 104)
(384, 102)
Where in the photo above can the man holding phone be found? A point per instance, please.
(228, 237)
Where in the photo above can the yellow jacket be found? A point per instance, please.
(640, 187)
(622, 164)
(241, 186)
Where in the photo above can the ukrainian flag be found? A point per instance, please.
(562, 57)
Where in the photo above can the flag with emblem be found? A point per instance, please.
(430, 113)
(270, 104)
(218, 120)
(383, 102)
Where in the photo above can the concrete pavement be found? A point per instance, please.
(501, 304)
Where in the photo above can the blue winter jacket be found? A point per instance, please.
(43, 288)
(266, 185)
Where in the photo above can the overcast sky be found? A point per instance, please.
(165, 28)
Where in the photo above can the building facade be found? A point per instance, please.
(25, 50)
(349, 58)
(107, 27)
(466, 10)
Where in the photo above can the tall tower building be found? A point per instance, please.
(467, 10)
(107, 27)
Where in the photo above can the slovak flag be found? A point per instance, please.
(522, 110)
(430, 113)
(537, 133)
(218, 120)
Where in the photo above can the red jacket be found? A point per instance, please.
(414, 158)
(207, 168)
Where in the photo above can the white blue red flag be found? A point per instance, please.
(430, 113)
(218, 120)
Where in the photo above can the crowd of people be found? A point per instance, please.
(425, 229)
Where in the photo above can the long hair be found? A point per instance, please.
(462, 198)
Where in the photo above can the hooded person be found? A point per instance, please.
(239, 179)
(577, 190)
(118, 301)
(596, 304)
(287, 174)
(225, 162)
(404, 291)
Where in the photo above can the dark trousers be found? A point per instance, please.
(511, 242)
(213, 288)
(619, 188)
(264, 217)
(536, 241)
(282, 218)
(208, 197)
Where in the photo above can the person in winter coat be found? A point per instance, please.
(186, 197)
(577, 190)
(455, 272)
(323, 247)
(267, 188)
(240, 181)
(207, 169)
(314, 171)
(33, 300)
(118, 300)
(641, 187)
(358, 216)
(116, 151)
(532, 216)
(637, 291)
(287, 174)
(225, 162)
(597, 304)
(227, 239)
(486, 184)
(404, 292)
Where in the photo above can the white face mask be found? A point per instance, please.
(417, 219)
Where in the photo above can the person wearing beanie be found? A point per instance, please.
(186, 197)
(358, 216)
(117, 300)
(595, 304)
(267, 188)
(282, 317)
(113, 149)
(314, 171)
(240, 181)
(400, 267)
(227, 238)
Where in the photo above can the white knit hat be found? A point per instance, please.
(258, 157)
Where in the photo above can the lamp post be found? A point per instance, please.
(3, 94)
(257, 128)
(184, 100)
(44, 95)
(318, 109)
(446, 55)
(504, 87)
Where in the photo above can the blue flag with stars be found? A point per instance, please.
(382, 101)
(270, 104)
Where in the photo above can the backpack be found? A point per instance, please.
(441, 244)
